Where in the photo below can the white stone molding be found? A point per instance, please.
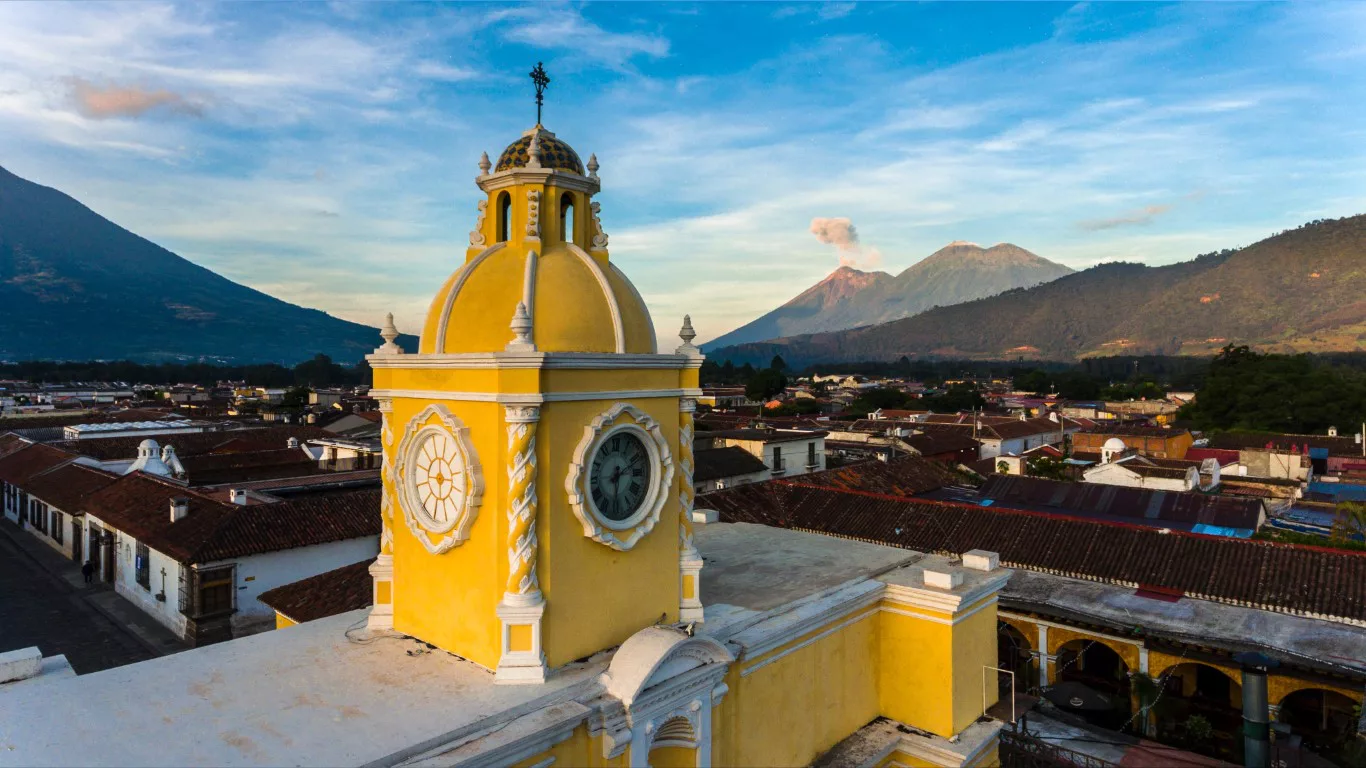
(689, 561)
(477, 237)
(526, 666)
(529, 292)
(522, 604)
(484, 164)
(533, 215)
(461, 275)
(512, 177)
(593, 165)
(438, 537)
(533, 398)
(521, 331)
(505, 360)
(687, 334)
(608, 294)
(388, 333)
(599, 237)
(386, 408)
(621, 535)
(533, 152)
(381, 614)
(663, 679)
(523, 586)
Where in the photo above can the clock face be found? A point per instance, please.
(439, 478)
(619, 476)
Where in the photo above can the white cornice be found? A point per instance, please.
(539, 360)
(533, 398)
(944, 601)
(545, 176)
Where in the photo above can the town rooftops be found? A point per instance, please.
(937, 443)
(902, 476)
(139, 505)
(327, 594)
(1322, 583)
(720, 463)
(197, 443)
(68, 486)
(12, 443)
(767, 435)
(1261, 441)
(1144, 506)
(1132, 430)
(20, 466)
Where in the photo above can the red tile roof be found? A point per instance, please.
(139, 505)
(196, 443)
(1279, 577)
(902, 476)
(11, 443)
(721, 463)
(68, 486)
(1140, 505)
(19, 467)
(347, 588)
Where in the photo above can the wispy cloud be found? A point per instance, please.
(722, 133)
(112, 100)
(1138, 217)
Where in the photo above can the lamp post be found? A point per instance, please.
(1256, 712)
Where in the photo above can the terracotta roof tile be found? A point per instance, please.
(347, 588)
(1280, 577)
(19, 467)
(139, 505)
(68, 486)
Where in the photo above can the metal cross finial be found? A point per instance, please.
(541, 80)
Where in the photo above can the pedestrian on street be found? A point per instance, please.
(88, 571)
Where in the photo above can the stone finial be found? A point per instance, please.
(484, 164)
(389, 333)
(593, 166)
(533, 152)
(687, 334)
(521, 331)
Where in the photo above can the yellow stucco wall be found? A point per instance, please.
(793, 709)
(974, 649)
(585, 612)
(449, 600)
(282, 621)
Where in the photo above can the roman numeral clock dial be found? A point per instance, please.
(619, 476)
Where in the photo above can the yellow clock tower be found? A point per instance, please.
(538, 446)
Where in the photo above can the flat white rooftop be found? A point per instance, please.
(327, 693)
(306, 695)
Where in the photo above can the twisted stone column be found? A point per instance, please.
(521, 426)
(689, 561)
(685, 470)
(382, 570)
(522, 660)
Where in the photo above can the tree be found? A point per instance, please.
(765, 385)
(778, 363)
(876, 399)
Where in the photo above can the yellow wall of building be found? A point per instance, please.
(450, 600)
(596, 596)
(793, 709)
(282, 621)
(974, 649)
(916, 656)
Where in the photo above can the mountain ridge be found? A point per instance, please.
(79, 286)
(849, 298)
(1298, 290)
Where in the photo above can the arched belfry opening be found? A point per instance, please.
(567, 228)
(504, 216)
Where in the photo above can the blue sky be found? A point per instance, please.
(325, 152)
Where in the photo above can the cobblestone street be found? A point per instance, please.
(39, 606)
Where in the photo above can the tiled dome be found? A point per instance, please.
(555, 154)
